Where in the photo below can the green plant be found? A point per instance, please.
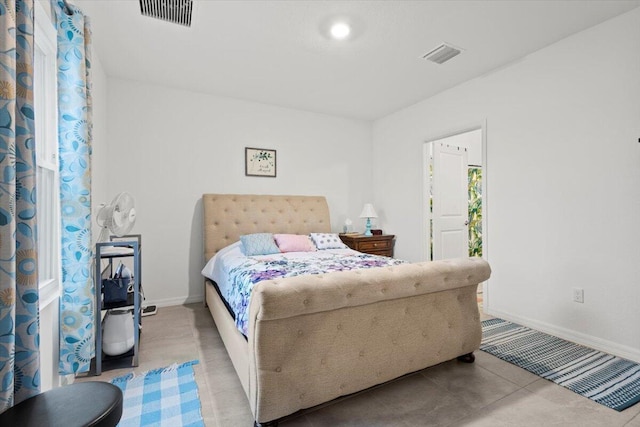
(475, 211)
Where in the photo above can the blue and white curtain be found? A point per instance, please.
(74, 139)
(19, 328)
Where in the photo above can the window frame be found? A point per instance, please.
(46, 129)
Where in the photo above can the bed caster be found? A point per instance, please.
(267, 424)
(467, 358)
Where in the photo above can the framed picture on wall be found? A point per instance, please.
(259, 162)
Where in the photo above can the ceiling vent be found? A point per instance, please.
(176, 11)
(442, 53)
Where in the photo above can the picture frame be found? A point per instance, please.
(259, 162)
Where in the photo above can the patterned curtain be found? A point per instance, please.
(74, 140)
(19, 329)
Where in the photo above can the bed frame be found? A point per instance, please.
(312, 339)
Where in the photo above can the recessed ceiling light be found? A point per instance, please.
(340, 31)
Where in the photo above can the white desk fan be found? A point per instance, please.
(118, 217)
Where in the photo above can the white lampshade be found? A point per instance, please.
(368, 211)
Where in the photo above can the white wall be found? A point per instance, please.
(562, 175)
(99, 161)
(167, 147)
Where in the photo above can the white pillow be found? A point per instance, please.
(327, 241)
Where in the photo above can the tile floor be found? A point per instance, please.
(489, 392)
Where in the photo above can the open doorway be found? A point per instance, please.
(454, 202)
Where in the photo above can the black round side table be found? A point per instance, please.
(91, 403)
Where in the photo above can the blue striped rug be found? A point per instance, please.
(609, 380)
(165, 397)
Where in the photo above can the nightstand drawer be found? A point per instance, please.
(374, 245)
(386, 252)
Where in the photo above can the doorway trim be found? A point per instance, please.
(426, 192)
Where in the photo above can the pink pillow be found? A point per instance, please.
(294, 243)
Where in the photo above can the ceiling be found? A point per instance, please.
(279, 53)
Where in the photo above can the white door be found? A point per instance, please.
(449, 189)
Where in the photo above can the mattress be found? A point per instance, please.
(236, 274)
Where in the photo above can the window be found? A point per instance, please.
(47, 203)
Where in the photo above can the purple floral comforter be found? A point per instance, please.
(252, 270)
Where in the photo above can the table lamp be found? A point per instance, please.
(368, 212)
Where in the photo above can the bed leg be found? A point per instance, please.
(204, 301)
(267, 424)
(467, 358)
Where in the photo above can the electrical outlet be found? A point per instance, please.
(578, 295)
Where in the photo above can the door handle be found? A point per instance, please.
(466, 222)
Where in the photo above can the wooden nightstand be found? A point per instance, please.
(376, 245)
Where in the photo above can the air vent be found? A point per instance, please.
(442, 53)
(176, 11)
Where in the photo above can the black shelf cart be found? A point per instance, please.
(129, 246)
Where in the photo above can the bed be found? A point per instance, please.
(312, 339)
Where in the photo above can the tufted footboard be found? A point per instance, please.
(315, 338)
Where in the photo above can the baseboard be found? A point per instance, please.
(167, 302)
(596, 343)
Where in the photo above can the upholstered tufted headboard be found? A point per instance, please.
(227, 216)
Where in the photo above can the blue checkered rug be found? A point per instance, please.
(165, 397)
(603, 378)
